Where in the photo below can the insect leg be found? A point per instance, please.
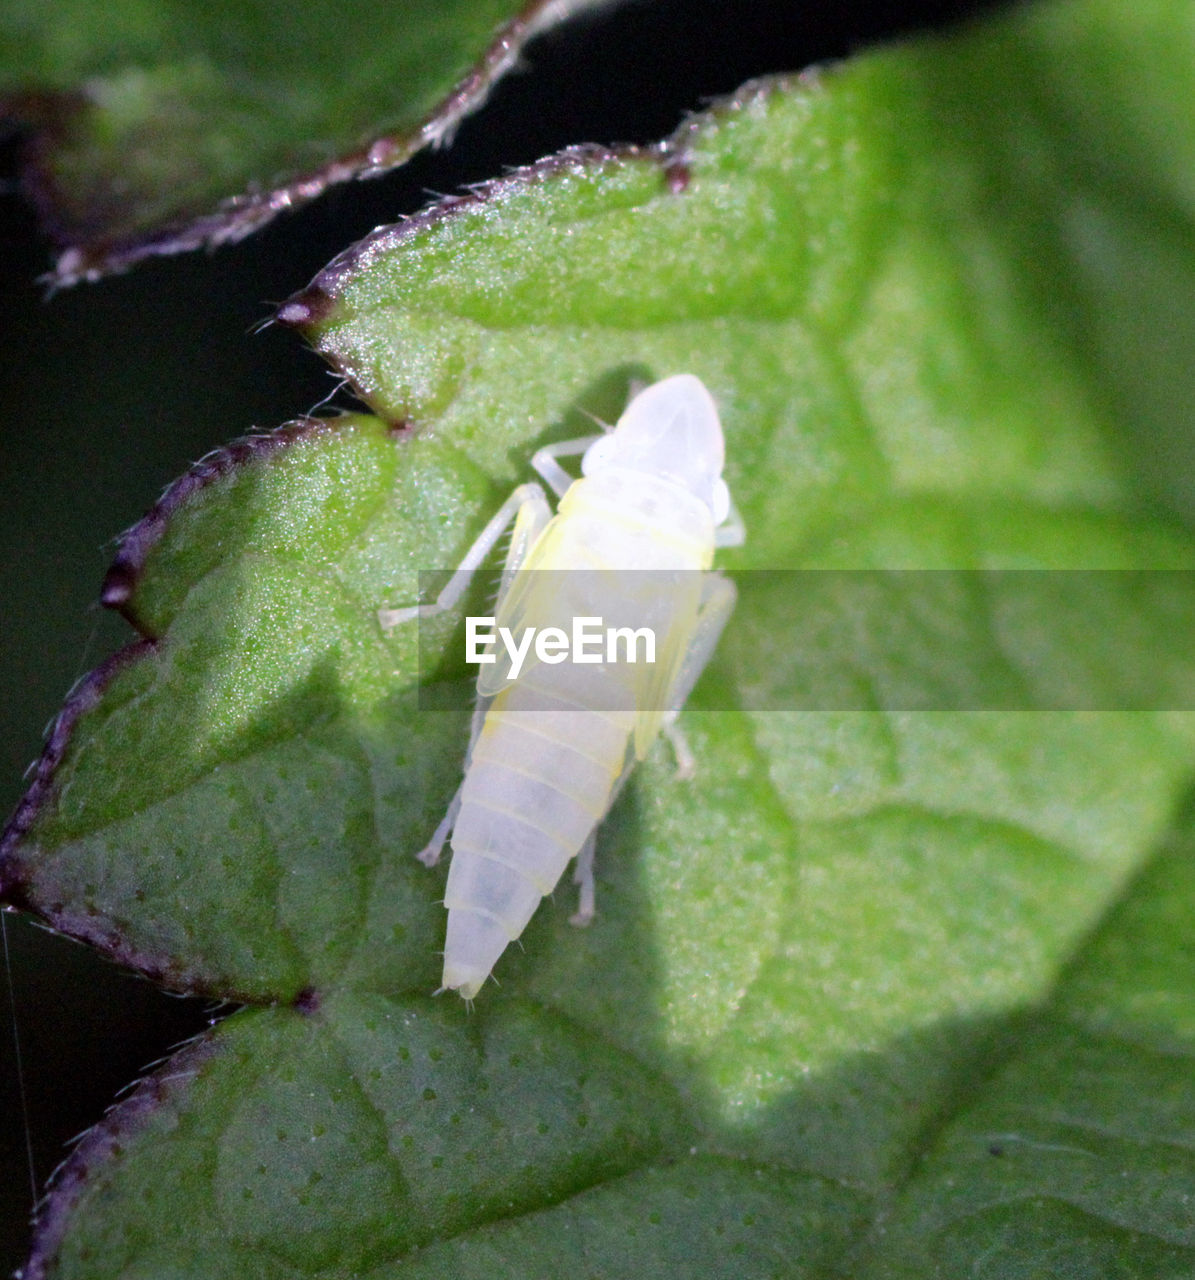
(718, 595)
(429, 855)
(543, 462)
(682, 753)
(530, 521)
(530, 517)
(583, 876)
(527, 507)
(732, 532)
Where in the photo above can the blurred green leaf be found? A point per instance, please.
(166, 126)
(848, 1007)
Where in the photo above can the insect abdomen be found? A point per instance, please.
(539, 781)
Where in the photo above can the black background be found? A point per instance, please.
(108, 391)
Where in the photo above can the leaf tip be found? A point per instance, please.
(305, 310)
(677, 175)
(123, 580)
(117, 588)
(103, 1146)
(81, 699)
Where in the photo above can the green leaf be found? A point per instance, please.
(348, 1135)
(163, 127)
(1082, 1147)
(848, 1007)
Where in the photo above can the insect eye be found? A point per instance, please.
(720, 504)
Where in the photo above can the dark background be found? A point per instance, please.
(108, 391)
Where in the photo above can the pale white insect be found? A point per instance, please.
(549, 752)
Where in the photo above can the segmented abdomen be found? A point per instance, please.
(538, 783)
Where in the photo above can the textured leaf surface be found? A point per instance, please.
(1081, 1150)
(879, 994)
(343, 1136)
(158, 128)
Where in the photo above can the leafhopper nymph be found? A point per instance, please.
(550, 750)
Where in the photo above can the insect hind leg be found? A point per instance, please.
(682, 753)
(718, 595)
(528, 511)
(583, 876)
(732, 532)
(429, 855)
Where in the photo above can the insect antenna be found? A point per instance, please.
(607, 427)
